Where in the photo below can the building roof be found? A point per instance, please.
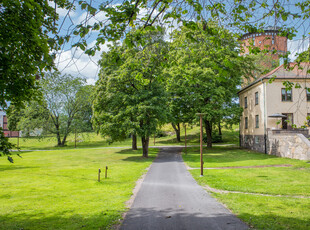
(293, 71)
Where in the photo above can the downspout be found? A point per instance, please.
(265, 115)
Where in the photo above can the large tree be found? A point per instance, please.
(28, 32)
(206, 69)
(130, 95)
(65, 102)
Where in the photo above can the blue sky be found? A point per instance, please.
(75, 62)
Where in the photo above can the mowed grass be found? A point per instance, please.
(59, 189)
(93, 140)
(261, 212)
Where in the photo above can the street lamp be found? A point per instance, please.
(201, 156)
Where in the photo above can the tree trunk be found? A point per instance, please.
(134, 141)
(208, 127)
(177, 131)
(220, 129)
(145, 146)
(64, 140)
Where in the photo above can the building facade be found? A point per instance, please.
(268, 39)
(4, 126)
(270, 106)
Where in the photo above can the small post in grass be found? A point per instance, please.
(75, 139)
(185, 139)
(18, 140)
(106, 172)
(99, 171)
(201, 156)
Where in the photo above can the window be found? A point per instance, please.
(286, 94)
(246, 122)
(256, 98)
(245, 102)
(257, 121)
(308, 94)
(256, 139)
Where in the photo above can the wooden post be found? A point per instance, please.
(201, 158)
(75, 139)
(185, 139)
(106, 172)
(99, 171)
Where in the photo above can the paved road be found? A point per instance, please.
(169, 198)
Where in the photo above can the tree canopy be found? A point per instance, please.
(130, 95)
(205, 70)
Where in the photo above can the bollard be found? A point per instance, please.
(99, 171)
(106, 172)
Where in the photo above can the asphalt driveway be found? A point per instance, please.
(169, 198)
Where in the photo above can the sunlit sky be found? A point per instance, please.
(73, 61)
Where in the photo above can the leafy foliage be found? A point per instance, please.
(25, 48)
(205, 71)
(130, 95)
(66, 102)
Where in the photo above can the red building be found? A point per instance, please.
(4, 125)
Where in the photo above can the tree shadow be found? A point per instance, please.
(60, 220)
(178, 218)
(13, 167)
(225, 154)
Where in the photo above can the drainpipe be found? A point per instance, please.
(265, 115)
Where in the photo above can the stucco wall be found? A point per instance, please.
(252, 110)
(288, 144)
(298, 106)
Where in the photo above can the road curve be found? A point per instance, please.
(169, 198)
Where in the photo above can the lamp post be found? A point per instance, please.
(201, 156)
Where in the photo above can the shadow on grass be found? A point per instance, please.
(274, 222)
(13, 167)
(61, 220)
(225, 154)
(138, 157)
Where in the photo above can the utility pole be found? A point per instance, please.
(201, 156)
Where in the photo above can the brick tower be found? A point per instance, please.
(268, 39)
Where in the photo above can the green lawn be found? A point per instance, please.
(92, 140)
(262, 212)
(59, 189)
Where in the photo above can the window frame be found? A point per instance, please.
(307, 94)
(285, 95)
(256, 98)
(246, 123)
(245, 102)
(257, 121)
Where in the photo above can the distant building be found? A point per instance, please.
(4, 125)
(268, 39)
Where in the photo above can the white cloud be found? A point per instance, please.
(77, 63)
(296, 47)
